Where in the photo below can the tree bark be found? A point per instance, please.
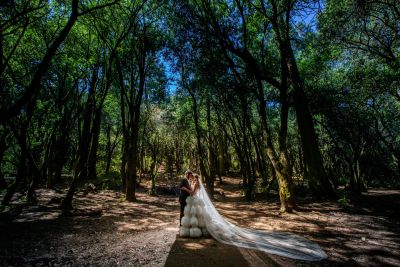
(63, 144)
(314, 170)
(134, 116)
(281, 165)
(123, 166)
(201, 153)
(30, 194)
(221, 158)
(211, 154)
(109, 150)
(94, 144)
(50, 164)
(3, 147)
(22, 167)
(80, 167)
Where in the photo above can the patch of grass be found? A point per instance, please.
(344, 200)
(23, 199)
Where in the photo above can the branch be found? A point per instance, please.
(83, 12)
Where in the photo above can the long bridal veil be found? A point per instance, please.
(283, 244)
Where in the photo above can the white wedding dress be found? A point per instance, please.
(201, 218)
(193, 221)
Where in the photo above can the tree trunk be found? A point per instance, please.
(66, 203)
(125, 135)
(285, 191)
(3, 184)
(131, 168)
(134, 130)
(108, 150)
(314, 170)
(251, 174)
(22, 168)
(281, 165)
(153, 173)
(209, 180)
(273, 178)
(31, 195)
(61, 155)
(221, 158)
(18, 179)
(50, 164)
(85, 136)
(62, 146)
(123, 166)
(3, 148)
(80, 168)
(95, 132)
(211, 155)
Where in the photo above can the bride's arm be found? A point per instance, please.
(186, 189)
(195, 188)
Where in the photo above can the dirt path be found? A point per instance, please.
(144, 233)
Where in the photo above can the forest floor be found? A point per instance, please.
(104, 230)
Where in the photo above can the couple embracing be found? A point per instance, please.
(199, 217)
(191, 221)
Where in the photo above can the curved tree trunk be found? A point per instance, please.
(281, 165)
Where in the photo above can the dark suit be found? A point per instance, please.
(183, 196)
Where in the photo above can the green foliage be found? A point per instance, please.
(111, 181)
(344, 201)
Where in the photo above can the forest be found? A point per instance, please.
(284, 105)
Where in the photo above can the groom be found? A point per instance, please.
(185, 191)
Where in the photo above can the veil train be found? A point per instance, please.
(279, 243)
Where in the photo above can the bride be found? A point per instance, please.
(202, 219)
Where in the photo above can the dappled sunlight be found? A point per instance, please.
(139, 225)
(38, 216)
(172, 229)
(193, 245)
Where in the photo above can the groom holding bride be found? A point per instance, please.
(188, 186)
(185, 191)
(191, 220)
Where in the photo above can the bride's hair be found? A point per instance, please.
(187, 173)
(197, 187)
